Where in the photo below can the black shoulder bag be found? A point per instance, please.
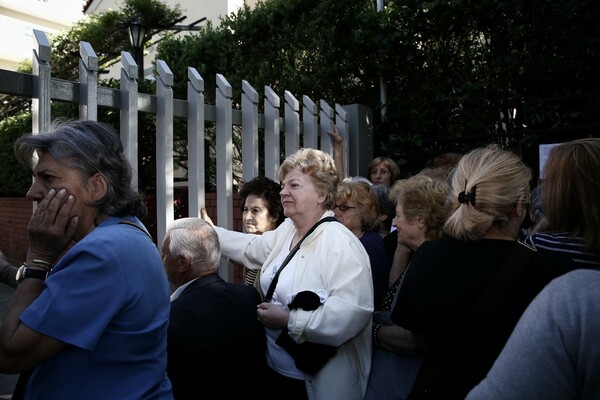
(436, 364)
(309, 357)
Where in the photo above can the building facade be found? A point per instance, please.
(18, 19)
(212, 10)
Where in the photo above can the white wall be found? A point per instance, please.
(18, 18)
(193, 9)
(213, 10)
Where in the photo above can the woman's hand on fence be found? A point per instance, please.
(336, 138)
(338, 155)
(204, 216)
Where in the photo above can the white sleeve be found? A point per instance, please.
(249, 249)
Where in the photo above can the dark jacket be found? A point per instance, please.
(215, 345)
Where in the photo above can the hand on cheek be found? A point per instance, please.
(52, 227)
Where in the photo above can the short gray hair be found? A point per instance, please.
(195, 239)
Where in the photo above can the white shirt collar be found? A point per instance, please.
(180, 289)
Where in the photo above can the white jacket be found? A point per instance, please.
(331, 259)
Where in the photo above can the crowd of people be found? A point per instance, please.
(447, 284)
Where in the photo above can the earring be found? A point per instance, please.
(420, 226)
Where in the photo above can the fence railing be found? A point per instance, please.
(303, 124)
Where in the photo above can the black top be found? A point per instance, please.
(380, 265)
(444, 280)
(391, 242)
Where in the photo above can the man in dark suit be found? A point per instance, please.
(216, 345)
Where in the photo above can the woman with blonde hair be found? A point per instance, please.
(489, 198)
(316, 281)
(562, 322)
(499, 182)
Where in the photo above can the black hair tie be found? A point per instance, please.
(467, 197)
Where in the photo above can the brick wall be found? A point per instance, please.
(15, 213)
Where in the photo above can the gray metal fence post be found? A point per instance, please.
(249, 132)
(42, 95)
(164, 150)
(341, 122)
(224, 163)
(310, 115)
(327, 116)
(129, 112)
(196, 159)
(272, 132)
(292, 123)
(224, 152)
(88, 82)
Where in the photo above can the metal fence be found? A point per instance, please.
(303, 124)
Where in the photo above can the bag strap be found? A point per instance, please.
(137, 226)
(271, 290)
(489, 299)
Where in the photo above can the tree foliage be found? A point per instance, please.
(15, 180)
(303, 47)
(458, 73)
(465, 67)
(307, 47)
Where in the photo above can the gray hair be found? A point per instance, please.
(195, 239)
(91, 147)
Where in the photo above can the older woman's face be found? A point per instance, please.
(410, 232)
(381, 174)
(51, 174)
(346, 211)
(255, 215)
(299, 196)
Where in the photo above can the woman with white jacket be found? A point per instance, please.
(330, 340)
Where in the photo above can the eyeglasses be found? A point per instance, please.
(343, 207)
(381, 171)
